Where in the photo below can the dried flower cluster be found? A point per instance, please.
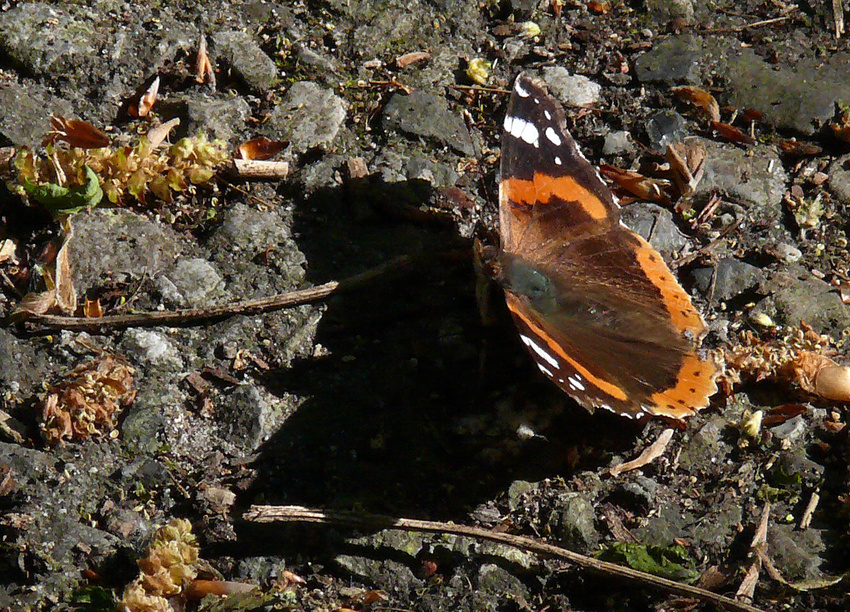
(124, 172)
(799, 355)
(168, 567)
(86, 401)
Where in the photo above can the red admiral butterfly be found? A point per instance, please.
(595, 304)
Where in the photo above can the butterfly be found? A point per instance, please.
(594, 303)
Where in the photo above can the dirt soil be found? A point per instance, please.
(412, 396)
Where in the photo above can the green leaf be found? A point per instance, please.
(670, 562)
(64, 200)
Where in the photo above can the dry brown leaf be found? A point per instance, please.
(66, 294)
(731, 133)
(780, 414)
(159, 133)
(649, 454)
(699, 98)
(204, 72)
(80, 134)
(146, 101)
(843, 291)
(198, 589)
(599, 7)
(841, 126)
(820, 375)
(35, 304)
(261, 148)
(688, 165)
(92, 308)
(799, 149)
(643, 187)
(7, 251)
(412, 58)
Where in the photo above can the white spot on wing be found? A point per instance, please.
(553, 137)
(575, 383)
(558, 161)
(545, 356)
(545, 370)
(530, 134)
(522, 93)
(548, 115)
(523, 130)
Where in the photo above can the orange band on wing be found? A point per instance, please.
(542, 188)
(612, 390)
(683, 315)
(694, 385)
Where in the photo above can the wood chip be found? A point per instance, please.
(412, 58)
(257, 169)
(806, 519)
(650, 454)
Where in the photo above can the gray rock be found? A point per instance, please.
(665, 525)
(801, 98)
(251, 417)
(675, 61)
(618, 143)
(654, 224)
(791, 430)
(309, 116)
(573, 523)
(22, 369)
(573, 90)
(517, 489)
(664, 128)
(224, 119)
(152, 348)
(664, 10)
(754, 176)
(112, 244)
(247, 234)
(706, 446)
(788, 253)
(439, 175)
(796, 296)
(241, 53)
(796, 554)
(839, 178)
(427, 116)
(729, 278)
(26, 113)
(718, 525)
(47, 39)
(494, 580)
(191, 283)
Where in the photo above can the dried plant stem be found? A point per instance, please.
(300, 514)
(194, 316)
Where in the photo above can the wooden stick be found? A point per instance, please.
(194, 316)
(300, 514)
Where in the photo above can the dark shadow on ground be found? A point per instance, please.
(402, 415)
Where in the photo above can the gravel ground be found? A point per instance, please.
(403, 397)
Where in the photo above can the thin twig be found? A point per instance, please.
(478, 88)
(747, 26)
(300, 514)
(194, 316)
